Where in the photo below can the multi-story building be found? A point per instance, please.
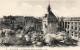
(33, 22)
(28, 21)
(14, 21)
(1, 20)
(50, 22)
(72, 27)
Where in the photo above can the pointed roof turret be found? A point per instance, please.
(51, 16)
(49, 8)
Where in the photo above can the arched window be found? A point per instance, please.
(45, 26)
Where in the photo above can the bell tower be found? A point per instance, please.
(50, 22)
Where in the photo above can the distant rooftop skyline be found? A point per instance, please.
(38, 8)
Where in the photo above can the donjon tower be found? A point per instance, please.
(50, 22)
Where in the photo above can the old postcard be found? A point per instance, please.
(39, 24)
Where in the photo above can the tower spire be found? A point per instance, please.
(49, 5)
(49, 8)
(49, 2)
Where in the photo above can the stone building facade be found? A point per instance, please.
(33, 22)
(13, 21)
(21, 21)
(72, 27)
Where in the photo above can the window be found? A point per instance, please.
(45, 26)
(79, 23)
(75, 23)
(75, 28)
(79, 28)
(68, 22)
(75, 35)
(75, 32)
(79, 35)
(67, 31)
(72, 31)
(65, 24)
(68, 26)
(71, 27)
(72, 34)
(71, 22)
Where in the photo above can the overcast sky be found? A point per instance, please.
(37, 8)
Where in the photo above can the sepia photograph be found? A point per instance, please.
(43, 24)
